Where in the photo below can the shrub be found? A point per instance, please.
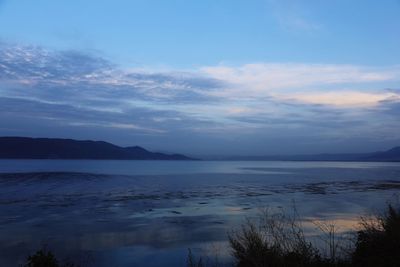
(192, 262)
(378, 242)
(278, 240)
(45, 258)
(42, 258)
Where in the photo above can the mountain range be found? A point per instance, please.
(54, 148)
(392, 154)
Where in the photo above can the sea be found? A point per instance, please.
(152, 213)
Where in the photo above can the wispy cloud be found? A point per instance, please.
(267, 76)
(90, 95)
(323, 84)
(352, 99)
(123, 126)
(293, 17)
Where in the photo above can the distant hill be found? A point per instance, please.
(53, 148)
(389, 155)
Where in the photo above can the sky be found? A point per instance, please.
(210, 77)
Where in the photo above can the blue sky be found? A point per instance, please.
(204, 77)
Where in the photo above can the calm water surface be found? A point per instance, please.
(148, 213)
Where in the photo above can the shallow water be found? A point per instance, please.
(148, 213)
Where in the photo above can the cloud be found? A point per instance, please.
(75, 72)
(123, 126)
(267, 77)
(325, 84)
(74, 94)
(346, 98)
(35, 64)
(293, 17)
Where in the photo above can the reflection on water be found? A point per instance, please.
(127, 213)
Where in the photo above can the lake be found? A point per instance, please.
(149, 213)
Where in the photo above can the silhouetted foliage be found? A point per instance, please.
(378, 243)
(277, 241)
(45, 258)
(42, 258)
(192, 262)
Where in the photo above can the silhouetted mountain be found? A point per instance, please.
(53, 148)
(389, 155)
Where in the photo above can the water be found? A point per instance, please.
(148, 213)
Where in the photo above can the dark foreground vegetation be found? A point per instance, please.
(278, 240)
